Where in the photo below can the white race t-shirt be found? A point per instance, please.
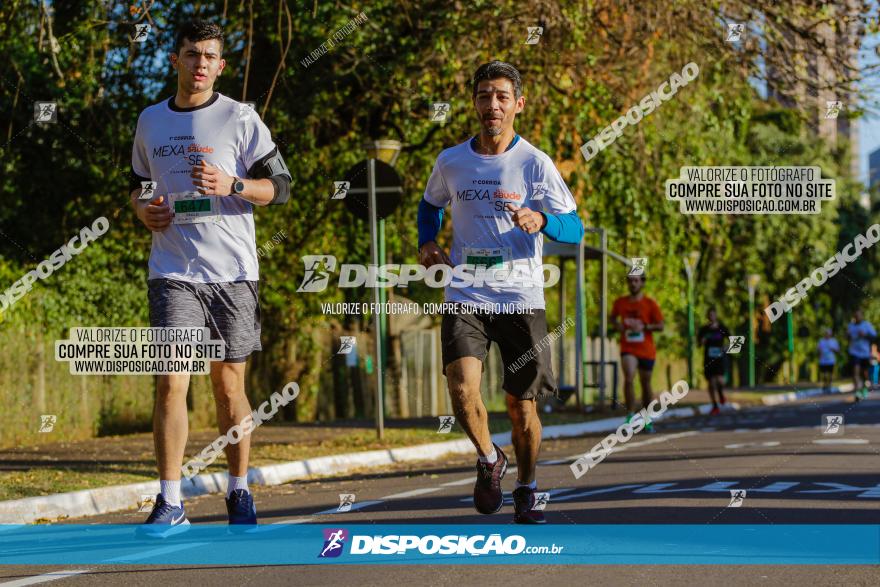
(228, 135)
(479, 186)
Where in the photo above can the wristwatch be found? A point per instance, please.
(237, 187)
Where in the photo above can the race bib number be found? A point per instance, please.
(489, 258)
(715, 352)
(193, 207)
(633, 336)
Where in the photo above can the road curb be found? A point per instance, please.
(104, 500)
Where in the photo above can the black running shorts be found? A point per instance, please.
(860, 362)
(714, 366)
(522, 339)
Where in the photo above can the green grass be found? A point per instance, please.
(46, 481)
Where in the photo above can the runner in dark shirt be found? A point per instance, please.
(713, 337)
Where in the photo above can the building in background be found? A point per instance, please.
(806, 80)
(874, 168)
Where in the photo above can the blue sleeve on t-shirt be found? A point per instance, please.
(430, 219)
(564, 228)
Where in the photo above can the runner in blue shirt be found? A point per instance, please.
(861, 333)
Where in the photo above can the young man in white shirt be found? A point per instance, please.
(505, 195)
(212, 160)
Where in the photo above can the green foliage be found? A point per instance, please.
(378, 82)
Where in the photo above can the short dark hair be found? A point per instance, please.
(495, 70)
(198, 30)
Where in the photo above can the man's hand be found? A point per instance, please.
(156, 215)
(431, 254)
(209, 180)
(527, 219)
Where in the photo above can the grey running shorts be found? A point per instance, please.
(230, 309)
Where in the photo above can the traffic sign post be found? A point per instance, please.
(375, 191)
(377, 317)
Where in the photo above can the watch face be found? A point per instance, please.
(238, 187)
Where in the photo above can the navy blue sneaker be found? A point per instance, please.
(165, 520)
(241, 509)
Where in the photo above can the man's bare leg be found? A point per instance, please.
(170, 424)
(526, 435)
(232, 406)
(712, 395)
(463, 378)
(647, 392)
(629, 364)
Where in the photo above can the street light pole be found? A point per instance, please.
(690, 265)
(387, 152)
(753, 280)
(789, 322)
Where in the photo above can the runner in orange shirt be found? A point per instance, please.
(637, 317)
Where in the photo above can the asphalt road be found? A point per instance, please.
(792, 473)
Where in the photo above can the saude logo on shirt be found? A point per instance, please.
(189, 153)
(499, 197)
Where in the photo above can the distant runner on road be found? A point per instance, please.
(637, 317)
(861, 333)
(714, 339)
(828, 348)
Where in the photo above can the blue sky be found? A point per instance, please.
(869, 124)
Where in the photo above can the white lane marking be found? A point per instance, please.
(297, 521)
(841, 441)
(751, 444)
(459, 482)
(628, 445)
(554, 462)
(151, 553)
(271, 527)
(354, 507)
(412, 493)
(53, 576)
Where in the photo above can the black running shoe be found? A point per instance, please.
(523, 507)
(487, 490)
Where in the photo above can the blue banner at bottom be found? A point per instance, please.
(282, 544)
